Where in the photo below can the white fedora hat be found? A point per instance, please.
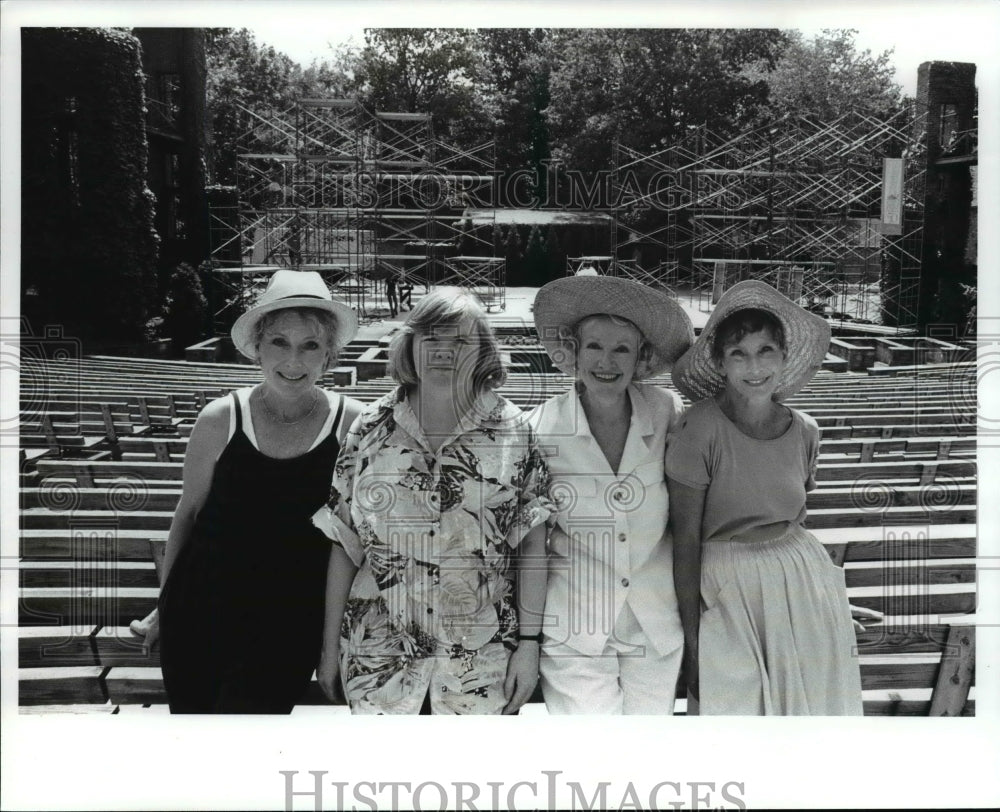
(286, 289)
(807, 339)
(561, 304)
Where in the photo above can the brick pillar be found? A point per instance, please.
(947, 92)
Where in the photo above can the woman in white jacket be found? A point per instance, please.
(612, 637)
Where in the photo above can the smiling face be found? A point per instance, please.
(753, 365)
(447, 354)
(293, 352)
(607, 355)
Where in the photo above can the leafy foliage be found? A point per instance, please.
(827, 76)
(516, 65)
(425, 70)
(243, 75)
(184, 314)
(651, 87)
(88, 245)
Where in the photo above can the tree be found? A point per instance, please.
(243, 75)
(535, 258)
(88, 242)
(498, 247)
(184, 313)
(333, 79)
(512, 253)
(516, 63)
(651, 87)
(827, 76)
(424, 70)
(556, 256)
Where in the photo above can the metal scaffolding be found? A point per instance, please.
(358, 196)
(797, 204)
(484, 276)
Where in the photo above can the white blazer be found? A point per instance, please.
(608, 543)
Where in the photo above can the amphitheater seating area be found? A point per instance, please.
(102, 443)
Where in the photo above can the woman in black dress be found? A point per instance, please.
(241, 609)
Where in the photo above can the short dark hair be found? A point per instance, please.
(743, 322)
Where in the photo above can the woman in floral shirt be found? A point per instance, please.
(438, 507)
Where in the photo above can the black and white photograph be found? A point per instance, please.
(624, 369)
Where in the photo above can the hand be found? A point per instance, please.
(328, 674)
(522, 676)
(149, 629)
(859, 614)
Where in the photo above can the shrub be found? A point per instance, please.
(185, 307)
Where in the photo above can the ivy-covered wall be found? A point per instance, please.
(947, 269)
(182, 223)
(88, 244)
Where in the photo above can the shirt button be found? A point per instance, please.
(431, 533)
(621, 537)
(430, 610)
(619, 496)
(624, 581)
(444, 689)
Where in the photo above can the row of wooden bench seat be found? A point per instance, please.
(57, 428)
(98, 536)
(67, 588)
(181, 376)
(146, 410)
(868, 486)
(901, 654)
(926, 509)
(898, 510)
(891, 687)
(90, 571)
(63, 431)
(86, 472)
(161, 407)
(863, 449)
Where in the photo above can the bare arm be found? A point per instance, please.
(687, 506)
(352, 408)
(337, 524)
(339, 577)
(208, 439)
(532, 578)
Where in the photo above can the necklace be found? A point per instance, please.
(280, 419)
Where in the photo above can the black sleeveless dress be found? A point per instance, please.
(241, 614)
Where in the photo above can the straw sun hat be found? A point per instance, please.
(562, 303)
(807, 339)
(294, 289)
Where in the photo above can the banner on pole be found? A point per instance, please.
(892, 196)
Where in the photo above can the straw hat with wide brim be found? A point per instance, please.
(807, 339)
(294, 289)
(562, 303)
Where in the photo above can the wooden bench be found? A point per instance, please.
(895, 506)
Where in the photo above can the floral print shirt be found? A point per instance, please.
(432, 607)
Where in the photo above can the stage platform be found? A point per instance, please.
(519, 312)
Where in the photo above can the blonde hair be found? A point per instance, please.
(645, 350)
(447, 307)
(324, 318)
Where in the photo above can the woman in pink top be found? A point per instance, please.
(767, 625)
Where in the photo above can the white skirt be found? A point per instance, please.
(776, 635)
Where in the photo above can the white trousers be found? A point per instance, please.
(627, 678)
